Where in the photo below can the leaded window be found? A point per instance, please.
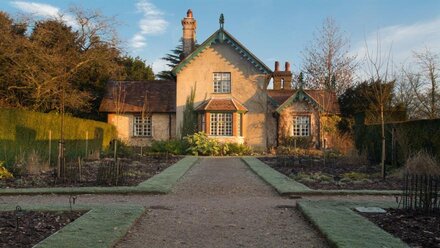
(142, 126)
(222, 82)
(301, 126)
(221, 124)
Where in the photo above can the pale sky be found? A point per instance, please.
(271, 29)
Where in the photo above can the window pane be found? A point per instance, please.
(222, 82)
(301, 126)
(142, 126)
(221, 124)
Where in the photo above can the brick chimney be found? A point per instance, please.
(189, 25)
(282, 80)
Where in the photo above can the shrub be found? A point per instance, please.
(355, 176)
(298, 142)
(123, 150)
(4, 173)
(176, 147)
(287, 150)
(313, 177)
(422, 163)
(238, 149)
(200, 144)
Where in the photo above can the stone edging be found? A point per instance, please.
(161, 183)
(287, 186)
(101, 226)
(344, 228)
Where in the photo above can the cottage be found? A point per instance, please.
(231, 97)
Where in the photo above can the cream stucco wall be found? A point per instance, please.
(247, 86)
(160, 128)
(299, 108)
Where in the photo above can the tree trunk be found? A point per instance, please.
(382, 121)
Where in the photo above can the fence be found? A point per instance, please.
(421, 193)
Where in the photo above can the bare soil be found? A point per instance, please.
(96, 173)
(416, 229)
(32, 227)
(294, 166)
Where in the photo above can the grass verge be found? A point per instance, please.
(282, 183)
(343, 227)
(101, 226)
(161, 183)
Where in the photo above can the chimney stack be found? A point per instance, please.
(287, 66)
(189, 25)
(282, 80)
(277, 66)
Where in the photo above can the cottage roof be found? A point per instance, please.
(222, 36)
(321, 99)
(221, 104)
(159, 95)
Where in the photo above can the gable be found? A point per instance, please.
(221, 36)
(320, 100)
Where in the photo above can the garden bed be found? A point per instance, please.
(33, 226)
(332, 174)
(416, 229)
(96, 173)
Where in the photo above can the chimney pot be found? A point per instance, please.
(277, 66)
(287, 66)
(189, 25)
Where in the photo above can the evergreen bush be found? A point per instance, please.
(410, 137)
(25, 132)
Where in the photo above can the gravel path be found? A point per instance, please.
(218, 203)
(221, 203)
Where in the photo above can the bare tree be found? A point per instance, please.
(146, 113)
(118, 95)
(425, 83)
(378, 69)
(404, 92)
(327, 62)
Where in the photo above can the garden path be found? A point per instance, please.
(221, 203)
(218, 203)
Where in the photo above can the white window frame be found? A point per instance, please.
(301, 126)
(222, 82)
(221, 124)
(142, 127)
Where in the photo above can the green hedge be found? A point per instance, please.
(24, 132)
(410, 137)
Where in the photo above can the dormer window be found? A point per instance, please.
(222, 82)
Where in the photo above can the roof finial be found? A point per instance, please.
(221, 20)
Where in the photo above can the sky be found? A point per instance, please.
(271, 29)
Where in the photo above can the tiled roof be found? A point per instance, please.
(326, 100)
(161, 96)
(222, 104)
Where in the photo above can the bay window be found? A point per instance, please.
(221, 124)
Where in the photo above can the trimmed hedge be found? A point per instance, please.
(23, 133)
(410, 137)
